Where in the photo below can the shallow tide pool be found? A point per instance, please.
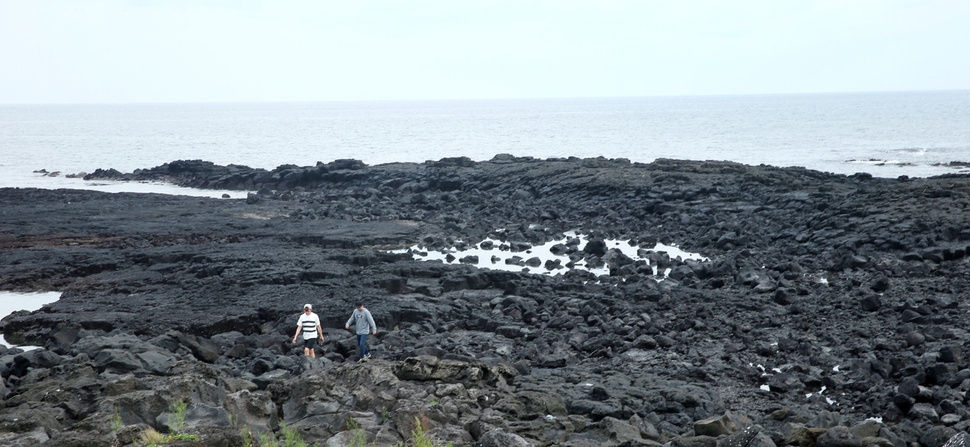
(496, 254)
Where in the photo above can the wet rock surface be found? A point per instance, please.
(825, 301)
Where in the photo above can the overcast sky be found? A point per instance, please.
(76, 51)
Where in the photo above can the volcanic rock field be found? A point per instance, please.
(822, 311)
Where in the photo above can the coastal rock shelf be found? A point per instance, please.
(827, 310)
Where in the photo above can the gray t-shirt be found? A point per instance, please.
(364, 322)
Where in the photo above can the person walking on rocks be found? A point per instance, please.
(309, 324)
(364, 326)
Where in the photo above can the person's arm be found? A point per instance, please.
(299, 327)
(372, 324)
(319, 329)
(351, 320)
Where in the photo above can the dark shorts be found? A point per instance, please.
(309, 343)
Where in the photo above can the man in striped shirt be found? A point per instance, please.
(309, 324)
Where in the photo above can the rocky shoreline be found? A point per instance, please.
(831, 310)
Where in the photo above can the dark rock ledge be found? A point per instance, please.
(832, 310)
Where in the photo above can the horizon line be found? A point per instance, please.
(549, 98)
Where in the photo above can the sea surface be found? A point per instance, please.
(885, 134)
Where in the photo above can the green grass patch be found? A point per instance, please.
(290, 438)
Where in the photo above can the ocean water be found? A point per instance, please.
(885, 134)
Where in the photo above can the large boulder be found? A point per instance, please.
(499, 438)
(202, 348)
(255, 410)
(806, 436)
(123, 353)
(721, 425)
(923, 412)
(620, 431)
(961, 439)
(595, 247)
(938, 436)
(647, 429)
(118, 361)
(866, 429)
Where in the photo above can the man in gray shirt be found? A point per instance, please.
(364, 326)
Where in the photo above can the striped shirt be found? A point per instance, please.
(309, 324)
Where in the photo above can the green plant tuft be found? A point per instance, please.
(178, 408)
(358, 437)
(247, 437)
(420, 439)
(151, 437)
(291, 437)
(116, 423)
(268, 440)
